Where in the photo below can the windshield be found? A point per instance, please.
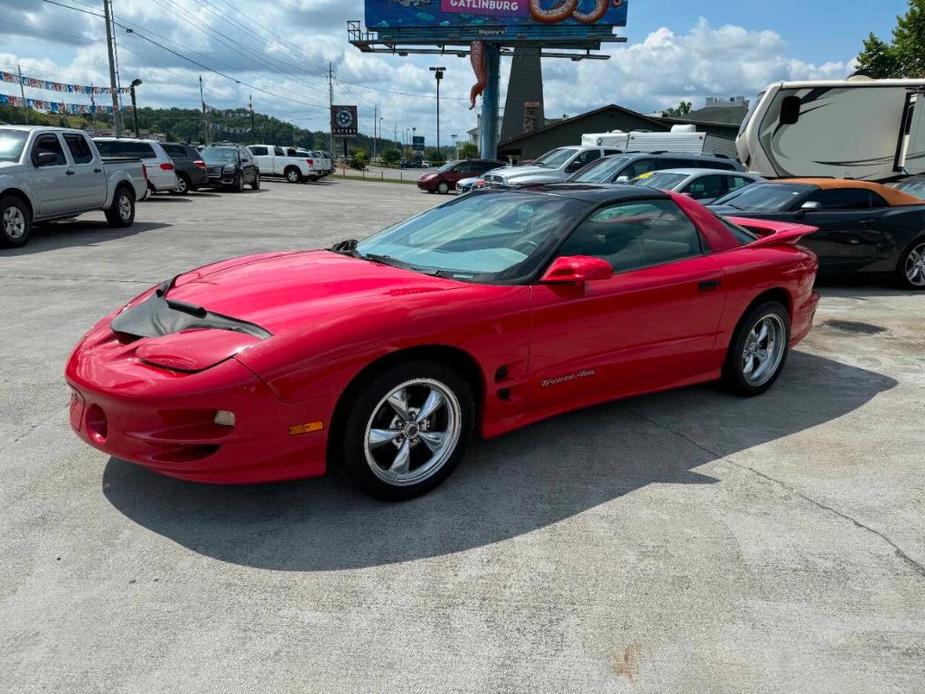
(448, 166)
(765, 196)
(219, 155)
(483, 236)
(11, 144)
(916, 188)
(554, 158)
(660, 180)
(601, 171)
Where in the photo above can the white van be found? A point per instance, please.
(857, 128)
(681, 138)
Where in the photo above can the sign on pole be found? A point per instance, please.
(417, 143)
(344, 120)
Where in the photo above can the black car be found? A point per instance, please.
(230, 166)
(863, 227)
(914, 185)
(191, 169)
(622, 168)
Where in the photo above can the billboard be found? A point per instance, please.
(343, 120)
(417, 143)
(475, 20)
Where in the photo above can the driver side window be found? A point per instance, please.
(635, 235)
(48, 144)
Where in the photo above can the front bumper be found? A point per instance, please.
(164, 420)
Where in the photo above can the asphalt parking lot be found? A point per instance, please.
(686, 541)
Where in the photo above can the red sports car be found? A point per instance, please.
(484, 314)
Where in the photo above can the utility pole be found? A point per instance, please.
(22, 93)
(205, 117)
(111, 49)
(331, 103)
(375, 131)
(250, 103)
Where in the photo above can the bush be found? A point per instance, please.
(391, 157)
(468, 151)
(358, 159)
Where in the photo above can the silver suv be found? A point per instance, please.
(553, 167)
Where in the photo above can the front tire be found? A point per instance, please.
(15, 222)
(758, 351)
(122, 211)
(238, 185)
(407, 430)
(256, 184)
(443, 188)
(910, 272)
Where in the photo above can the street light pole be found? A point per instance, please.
(455, 147)
(438, 75)
(135, 83)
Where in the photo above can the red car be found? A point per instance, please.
(444, 179)
(485, 314)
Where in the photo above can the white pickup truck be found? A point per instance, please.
(273, 160)
(57, 173)
(320, 163)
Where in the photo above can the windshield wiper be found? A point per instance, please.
(386, 260)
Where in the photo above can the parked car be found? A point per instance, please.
(162, 175)
(444, 179)
(274, 160)
(704, 185)
(231, 166)
(425, 164)
(864, 228)
(466, 185)
(323, 164)
(913, 185)
(190, 168)
(485, 314)
(553, 167)
(58, 173)
(623, 168)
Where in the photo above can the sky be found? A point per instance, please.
(676, 49)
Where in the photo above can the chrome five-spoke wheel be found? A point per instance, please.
(915, 266)
(764, 349)
(14, 223)
(413, 431)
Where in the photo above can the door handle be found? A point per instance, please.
(708, 286)
(97, 171)
(69, 172)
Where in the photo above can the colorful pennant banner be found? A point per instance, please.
(58, 86)
(52, 106)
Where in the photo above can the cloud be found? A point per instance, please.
(283, 48)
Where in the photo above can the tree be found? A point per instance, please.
(904, 56)
(878, 59)
(391, 157)
(681, 109)
(468, 151)
(435, 157)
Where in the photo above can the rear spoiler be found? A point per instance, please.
(773, 233)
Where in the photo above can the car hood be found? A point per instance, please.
(529, 172)
(278, 292)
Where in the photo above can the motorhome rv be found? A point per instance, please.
(681, 138)
(857, 128)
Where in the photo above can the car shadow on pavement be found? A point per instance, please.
(506, 487)
(56, 235)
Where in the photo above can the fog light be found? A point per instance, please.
(224, 418)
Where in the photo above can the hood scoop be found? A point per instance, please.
(158, 315)
(194, 350)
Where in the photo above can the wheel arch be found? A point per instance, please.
(461, 361)
(17, 193)
(777, 294)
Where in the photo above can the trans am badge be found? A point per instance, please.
(559, 380)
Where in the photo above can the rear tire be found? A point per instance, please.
(910, 271)
(15, 222)
(394, 457)
(122, 211)
(293, 175)
(183, 185)
(758, 350)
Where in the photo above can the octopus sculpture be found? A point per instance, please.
(477, 58)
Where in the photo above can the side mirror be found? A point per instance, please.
(573, 167)
(576, 269)
(807, 206)
(622, 179)
(46, 159)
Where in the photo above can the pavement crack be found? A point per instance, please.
(916, 566)
(32, 427)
